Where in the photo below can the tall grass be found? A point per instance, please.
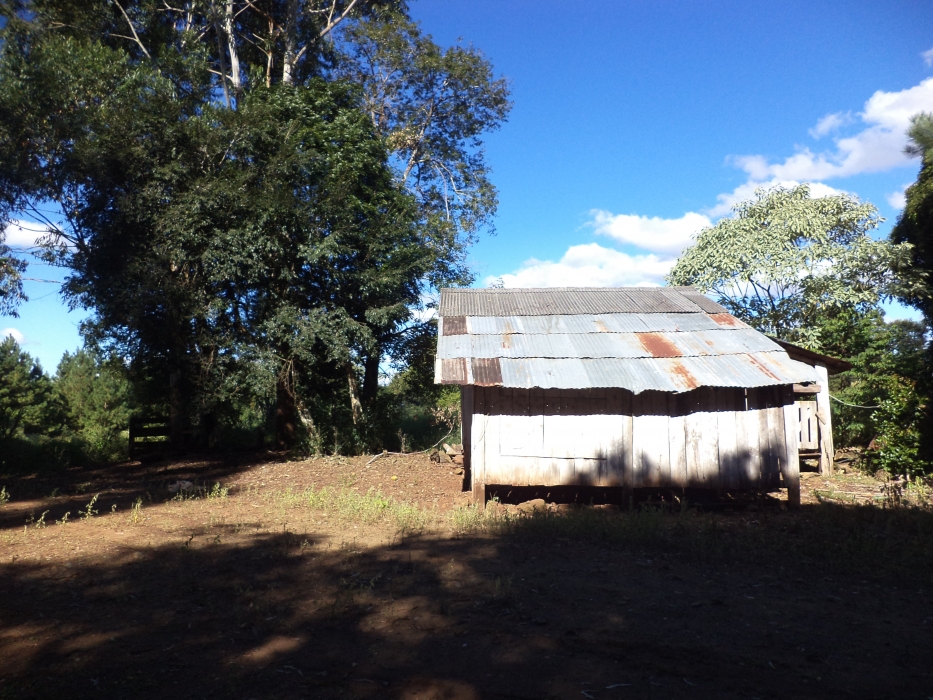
(352, 506)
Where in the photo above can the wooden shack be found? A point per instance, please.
(618, 387)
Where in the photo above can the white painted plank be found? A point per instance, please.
(586, 471)
(728, 441)
(701, 429)
(650, 446)
(748, 441)
(776, 438)
(791, 467)
(824, 413)
(522, 436)
(494, 402)
(677, 442)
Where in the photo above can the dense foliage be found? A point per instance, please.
(807, 270)
(880, 401)
(79, 415)
(786, 258)
(915, 227)
(254, 198)
(27, 398)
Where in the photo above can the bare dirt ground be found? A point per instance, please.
(385, 585)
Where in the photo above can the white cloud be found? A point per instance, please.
(16, 333)
(830, 123)
(877, 147)
(24, 234)
(590, 265)
(898, 200)
(650, 233)
(746, 191)
(928, 57)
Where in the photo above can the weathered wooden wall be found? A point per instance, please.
(708, 438)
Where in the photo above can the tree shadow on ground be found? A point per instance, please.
(69, 490)
(546, 607)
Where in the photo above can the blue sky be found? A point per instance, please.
(636, 123)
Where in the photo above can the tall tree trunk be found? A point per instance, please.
(291, 43)
(371, 377)
(235, 77)
(176, 411)
(355, 406)
(222, 55)
(285, 412)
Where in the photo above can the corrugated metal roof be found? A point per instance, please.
(666, 339)
(642, 374)
(597, 323)
(573, 301)
(599, 345)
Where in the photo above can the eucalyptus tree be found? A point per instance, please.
(432, 107)
(216, 202)
(785, 257)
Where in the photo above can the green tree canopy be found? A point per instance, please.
(96, 397)
(27, 399)
(229, 203)
(915, 228)
(785, 257)
(915, 223)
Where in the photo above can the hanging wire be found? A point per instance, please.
(853, 405)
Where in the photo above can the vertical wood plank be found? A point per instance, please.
(586, 471)
(791, 466)
(748, 440)
(494, 403)
(478, 446)
(776, 438)
(767, 461)
(617, 467)
(661, 403)
(677, 440)
(650, 444)
(728, 443)
(702, 434)
(549, 468)
(824, 414)
(466, 427)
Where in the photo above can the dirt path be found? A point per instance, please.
(263, 592)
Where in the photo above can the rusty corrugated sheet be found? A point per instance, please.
(594, 345)
(453, 325)
(487, 372)
(677, 374)
(668, 339)
(451, 371)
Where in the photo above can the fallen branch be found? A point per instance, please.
(385, 453)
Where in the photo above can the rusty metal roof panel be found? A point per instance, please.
(566, 301)
(659, 374)
(605, 345)
(666, 339)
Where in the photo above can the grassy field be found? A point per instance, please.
(330, 578)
